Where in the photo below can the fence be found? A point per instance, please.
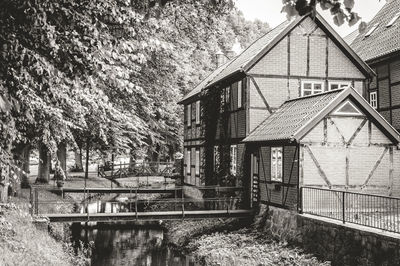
(173, 199)
(137, 169)
(375, 211)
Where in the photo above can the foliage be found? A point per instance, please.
(341, 10)
(245, 248)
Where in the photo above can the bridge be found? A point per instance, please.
(127, 204)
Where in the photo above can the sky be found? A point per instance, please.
(270, 11)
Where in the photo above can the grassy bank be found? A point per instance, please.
(233, 242)
(21, 243)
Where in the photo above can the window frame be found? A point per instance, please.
(375, 100)
(312, 82)
(198, 110)
(197, 162)
(189, 115)
(188, 162)
(233, 159)
(275, 167)
(339, 83)
(239, 95)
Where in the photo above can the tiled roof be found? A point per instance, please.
(351, 37)
(291, 116)
(383, 40)
(204, 82)
(252, 51)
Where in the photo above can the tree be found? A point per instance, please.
(342, 11)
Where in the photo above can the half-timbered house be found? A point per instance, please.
(379, 46)
(333, 140)
(301, 57)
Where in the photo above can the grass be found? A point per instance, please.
(246, 247)
(21, 243)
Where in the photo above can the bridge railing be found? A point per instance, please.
(129, 200)
(137, 169)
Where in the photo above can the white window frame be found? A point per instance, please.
(312, 82)
(339, 83)
(276, 164)
(189, 115)
(233, 159)
(373, 101)
(188, 162)
(197, 162)
(197, 112)
(239, 95)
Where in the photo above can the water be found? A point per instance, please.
(125, 243)
(129, 244)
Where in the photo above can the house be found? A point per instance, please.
(332, 140)
(379, 46)
(301, 57)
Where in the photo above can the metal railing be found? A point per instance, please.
(374, 211)
(136, 169)
(178, 198)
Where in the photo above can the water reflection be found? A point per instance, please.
(124, 244)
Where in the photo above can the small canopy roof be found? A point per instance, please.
(295, 118)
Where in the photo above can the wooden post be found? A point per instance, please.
(175, 199)
(343, 206)
(120, 169)
(36, 202)
(130, 201)
(183, 205)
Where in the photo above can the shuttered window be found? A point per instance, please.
(276, 164)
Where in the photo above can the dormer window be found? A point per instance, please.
(371, 30)
(311, 87)
(393, 20)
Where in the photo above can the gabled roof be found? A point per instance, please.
(262, 46)
(203, 83)
(295, 118)
(250, 56)
(383, 40)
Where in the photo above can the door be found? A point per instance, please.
(254, 195)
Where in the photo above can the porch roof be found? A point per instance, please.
(296, 117)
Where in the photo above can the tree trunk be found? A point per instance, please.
(4, 181)
(22, 153)
(44, 164)
(78, 160)
(62, 156)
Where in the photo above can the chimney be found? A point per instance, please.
(235, 50)
(220, 58)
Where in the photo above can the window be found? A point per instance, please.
(188, 166)
(227, 94)
(347, 108)
(197, 163)
(373, 99)
(239, 96)
(276, 164)
(371, 30)
(393, 20)
(198, 112)
(338, 85)
(216, 158)
(188, 115)
(233, 152)
(311, 87)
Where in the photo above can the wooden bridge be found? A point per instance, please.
(111, 171)
(209, 202)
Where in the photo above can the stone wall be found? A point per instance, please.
(330, 240)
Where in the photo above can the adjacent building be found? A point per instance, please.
(379, 46)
